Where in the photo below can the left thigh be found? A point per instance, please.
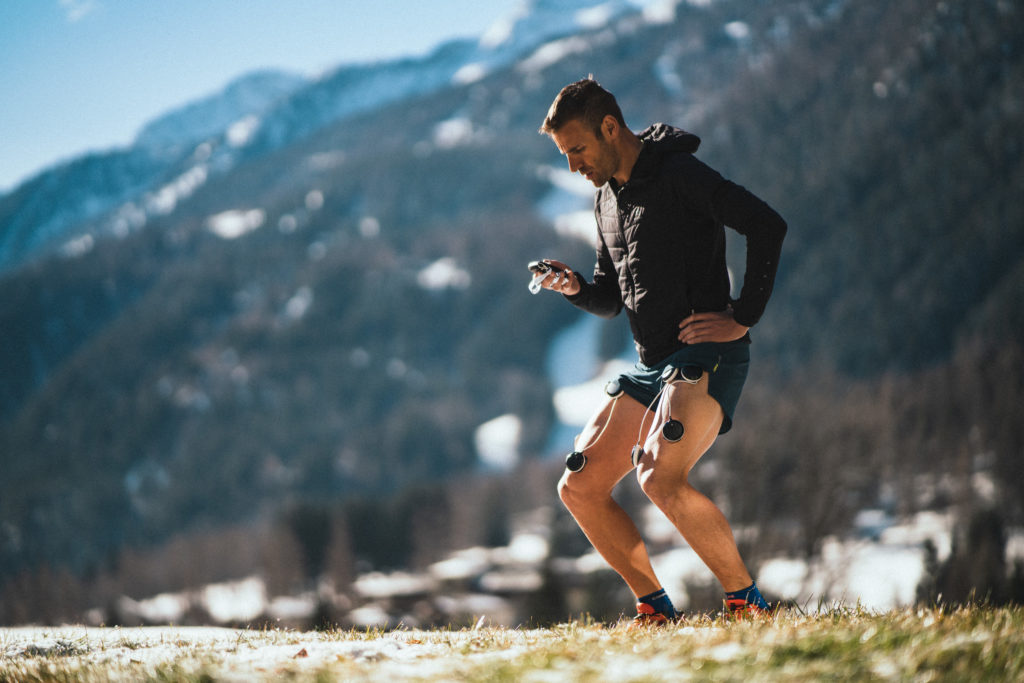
(700, 417)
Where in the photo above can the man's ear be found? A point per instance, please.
(609, 127)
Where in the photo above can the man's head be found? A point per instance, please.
(585, 101)
(586, 125)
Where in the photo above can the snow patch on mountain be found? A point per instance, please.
(165, 199)
(210, 116)
(534, 23)
(232, 224)
(444, 273)
(568, 205)
(240, 132)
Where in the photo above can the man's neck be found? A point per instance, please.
(629, 153)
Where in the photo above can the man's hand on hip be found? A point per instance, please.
(710, 327)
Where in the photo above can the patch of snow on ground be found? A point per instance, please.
(462, 564)
(236, 600)
(679, 568)
(512, 580)
(783, 577)
(382, 585)
(497, 442)
(576, 403)
(164, 608)
(298, 608)
(1014, 546)
(876, 575)
(656, 526)
(528, 548)
(929, 525)
(250, 655)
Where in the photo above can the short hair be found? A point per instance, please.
(586, 101)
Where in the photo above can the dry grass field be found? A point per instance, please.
(971, 643)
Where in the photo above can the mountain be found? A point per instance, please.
(326, 302)
(118, 191)
(248, 96)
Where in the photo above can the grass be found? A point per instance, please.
(976, 643)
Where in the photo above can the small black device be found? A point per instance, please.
(575, 461)
(692, 373)
(636, 454)
(542, 268)
(673, 430)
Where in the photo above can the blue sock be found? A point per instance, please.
(750, 594)
(660, 602)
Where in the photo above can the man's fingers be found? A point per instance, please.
(697, 318)
(561, 279)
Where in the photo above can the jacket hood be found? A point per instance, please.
(667, 138)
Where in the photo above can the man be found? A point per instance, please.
(661, 256)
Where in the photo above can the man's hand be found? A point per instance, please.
(564, 282)
(711, 327)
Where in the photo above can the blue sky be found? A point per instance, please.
(80, 75)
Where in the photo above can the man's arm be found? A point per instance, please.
(736, 207)
(764, 230)
(600, 297)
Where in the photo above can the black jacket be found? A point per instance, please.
(661, 244)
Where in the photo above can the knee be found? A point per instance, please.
(573, 491)
(660, 484)
(568, 492)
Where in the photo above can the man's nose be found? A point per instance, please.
(574, 163)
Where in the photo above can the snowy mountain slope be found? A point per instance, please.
(259, 112)
(249, 95)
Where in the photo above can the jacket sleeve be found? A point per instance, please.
(764, 229)
(602, 296)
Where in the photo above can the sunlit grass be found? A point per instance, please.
(971, 643)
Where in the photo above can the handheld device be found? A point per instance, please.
(540, 270)
(543, 268)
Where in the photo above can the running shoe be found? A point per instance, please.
(739, 609)
(647, 616)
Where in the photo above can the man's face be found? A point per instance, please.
(589, 153)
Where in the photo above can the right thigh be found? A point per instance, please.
(607, 442)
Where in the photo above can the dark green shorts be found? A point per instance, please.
(725, 364)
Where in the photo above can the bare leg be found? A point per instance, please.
(588, 493)
(663, 474)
